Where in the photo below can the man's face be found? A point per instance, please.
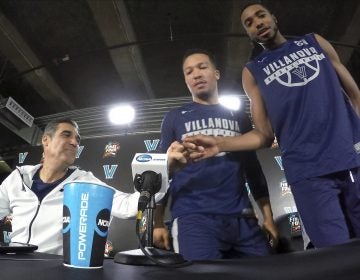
(200, 75)
(259, 24)
(63, 145)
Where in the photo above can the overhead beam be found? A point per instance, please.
(14, 47)
(115, 26)
(351, 36)
(32, 135)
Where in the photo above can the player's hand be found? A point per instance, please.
(178, 156)
(161, 238)
(270, 228)
(201, 146)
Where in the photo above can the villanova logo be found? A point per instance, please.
(151, 145)
(300, 72)
(6, 237)
(279, 162)
(109, 170)
(22, 157)
(79, 151)
(295, 69)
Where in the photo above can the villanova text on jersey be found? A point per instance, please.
(212, 126)
(295, 69)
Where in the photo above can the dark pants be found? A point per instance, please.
(202, 236)
(329, 207)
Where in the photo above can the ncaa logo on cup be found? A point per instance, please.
(144, 158)
(66, 217)
(103, 222)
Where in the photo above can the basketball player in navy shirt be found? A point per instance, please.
(302, 93)
(210, 207)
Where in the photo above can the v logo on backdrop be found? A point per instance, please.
(110, 170)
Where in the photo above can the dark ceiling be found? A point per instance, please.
(60, 57)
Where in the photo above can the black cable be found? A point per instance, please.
(152, 258)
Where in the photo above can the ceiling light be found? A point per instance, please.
(122, 114)
(230, 101)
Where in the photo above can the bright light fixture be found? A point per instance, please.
(122, 114)
(230, 101)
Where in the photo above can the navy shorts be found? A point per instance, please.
(204, 237)
(329, 207)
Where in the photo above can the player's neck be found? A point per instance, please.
(278, 40)
(207, 99)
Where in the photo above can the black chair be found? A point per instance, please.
(290, 239)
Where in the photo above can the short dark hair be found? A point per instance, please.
(52, 126)
(252, 4)
(201, 51)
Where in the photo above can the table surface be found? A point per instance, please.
(338, 262)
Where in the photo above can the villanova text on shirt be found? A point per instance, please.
(212, 126)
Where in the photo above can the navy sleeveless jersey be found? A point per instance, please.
(215, 185)
(317, 129)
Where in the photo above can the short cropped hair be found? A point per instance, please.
(200, 51)
(254, 3)
(52, 126)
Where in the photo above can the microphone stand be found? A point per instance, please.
(149, 224)
(153, 256)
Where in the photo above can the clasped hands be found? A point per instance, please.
(194, 148)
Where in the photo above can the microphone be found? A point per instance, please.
(148, 184)
(150, 174)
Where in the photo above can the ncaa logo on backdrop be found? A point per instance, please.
(144, 158)
(111, 149)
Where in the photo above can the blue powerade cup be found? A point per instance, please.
(86, 219)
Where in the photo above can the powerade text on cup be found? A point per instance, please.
(86, 219)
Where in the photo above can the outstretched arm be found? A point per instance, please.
(351, 89)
